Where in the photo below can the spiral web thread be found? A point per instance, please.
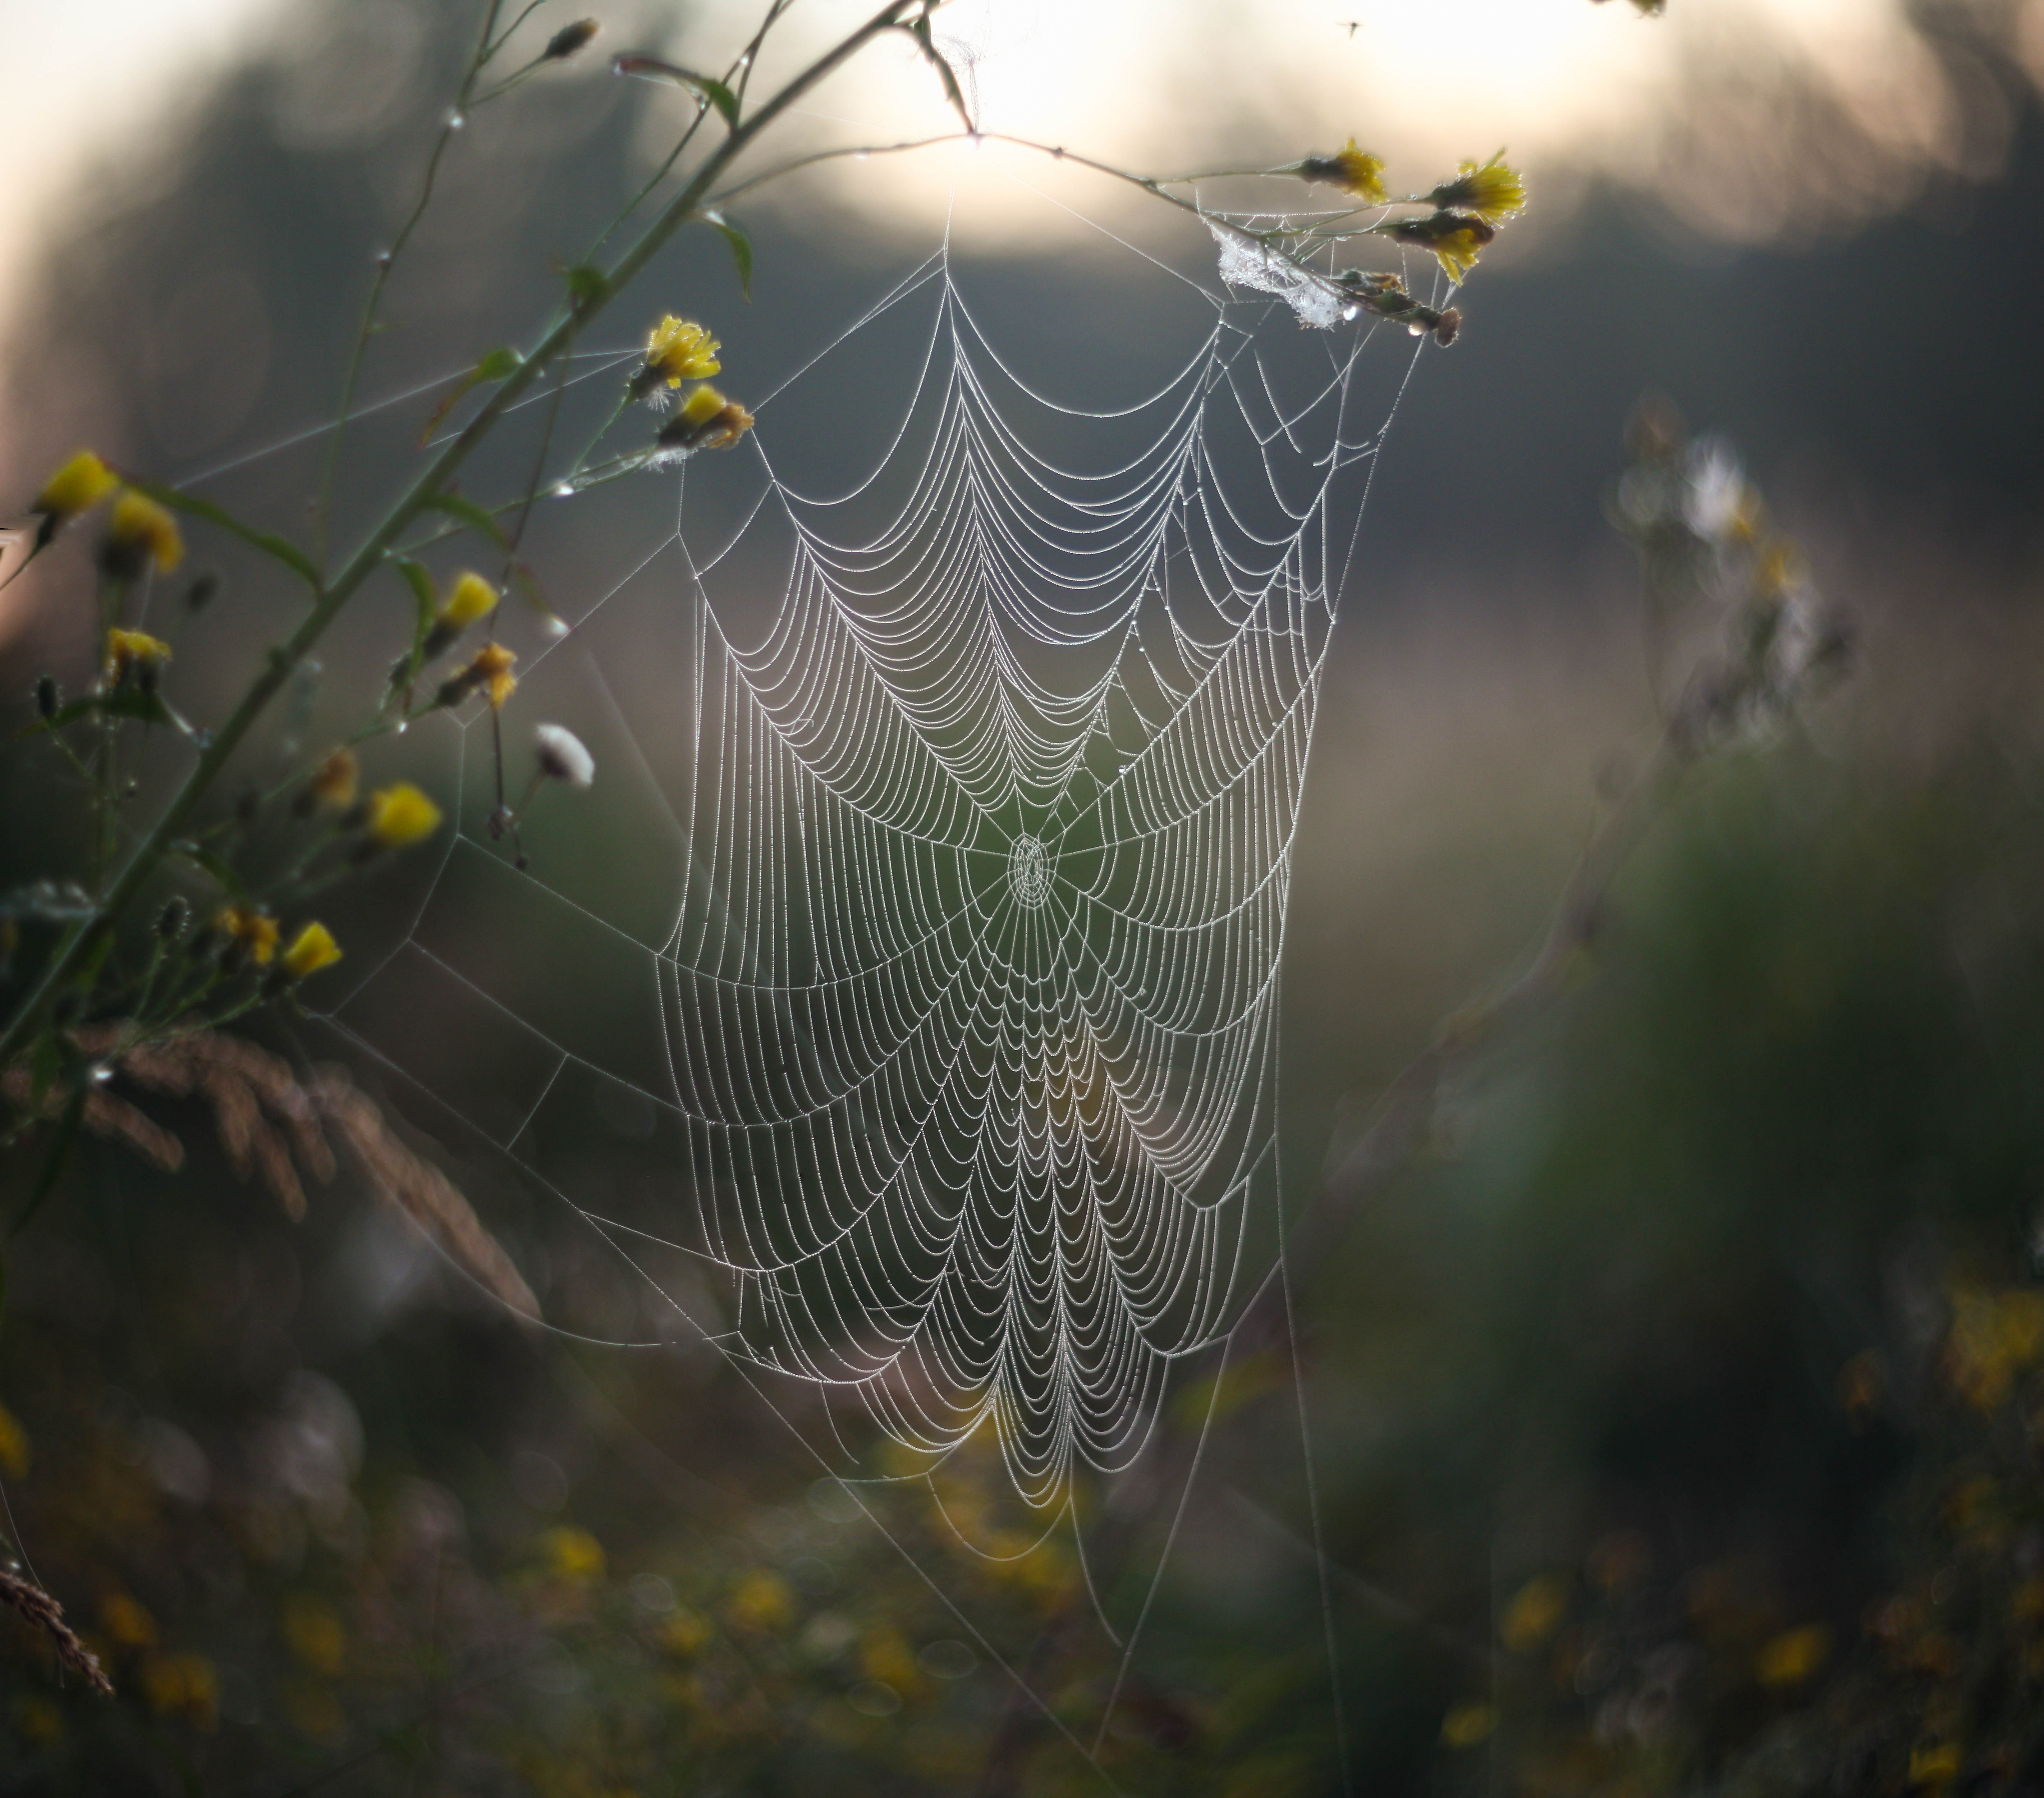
(968, 996)
(969, 1001)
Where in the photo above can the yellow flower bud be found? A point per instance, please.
(140, 532)
(402, 815)
(312, 949)
(1353, 170)
(77, 486)
(134, 649)
(253, 931)
(472, 597)
(1456, 239)
(572, 1554)
(334, 780)
(1492, 191)
(706, 420)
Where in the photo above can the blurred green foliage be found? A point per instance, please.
(1679, 1423)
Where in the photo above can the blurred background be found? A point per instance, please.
(1677, 1414)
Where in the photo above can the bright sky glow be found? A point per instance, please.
(1158, 85)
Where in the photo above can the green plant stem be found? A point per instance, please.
(89, 937)
(384, 263)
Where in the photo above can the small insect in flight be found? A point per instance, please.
(1352, 26)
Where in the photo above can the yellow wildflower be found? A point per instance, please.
(125, 1622)
(254, 932)
(572, 1554)
(402, 815)
(884, 1655)
(14, 1455)
(685, 1634)
(133, 650)
(1994, 1337)
(1935, 1763)
(469, 598)
(762, 1601)
(1466, 1725)
(312, 949)
(707, 420)
(1353, 170)
(1790, 1658)
(140, 532)
(317, 1636)
(680, 350)
(1535, 1612)
(78, 486)
(1457, 239)
(1493, 190)
(183, 1685)
(38, 1720)
(334, 780)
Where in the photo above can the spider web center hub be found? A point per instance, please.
(1029, 870)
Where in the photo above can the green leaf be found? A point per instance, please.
(720, 97)
(708, 87)
(211, 862)
(499, 365)
(424, 602)
(587, 285)
(278, 548)
(741, 249)
(459, 506)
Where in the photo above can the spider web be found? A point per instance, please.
(927, 918)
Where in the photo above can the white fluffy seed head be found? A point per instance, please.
(562, 755)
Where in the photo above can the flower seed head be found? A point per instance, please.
(561, 756)
(570, 41)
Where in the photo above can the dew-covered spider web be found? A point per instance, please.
(923, 929)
